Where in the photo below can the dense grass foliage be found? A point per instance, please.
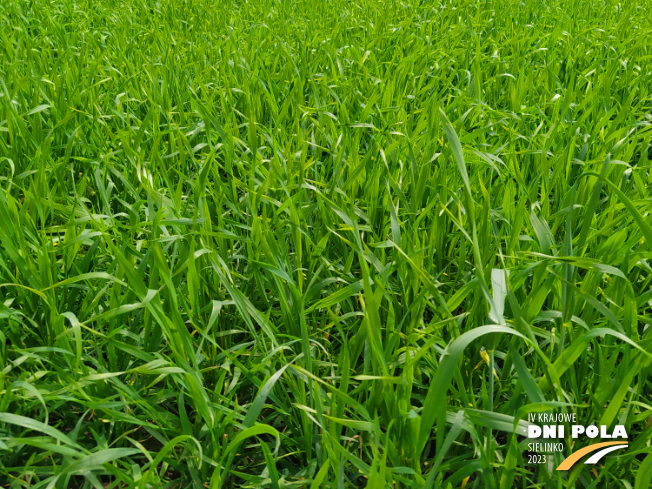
(322, 244)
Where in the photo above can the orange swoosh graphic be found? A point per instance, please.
(570, 461)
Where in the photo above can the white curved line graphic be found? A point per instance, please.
(595, 458)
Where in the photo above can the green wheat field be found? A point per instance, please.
(323, 244)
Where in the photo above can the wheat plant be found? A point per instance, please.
(303, 244)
